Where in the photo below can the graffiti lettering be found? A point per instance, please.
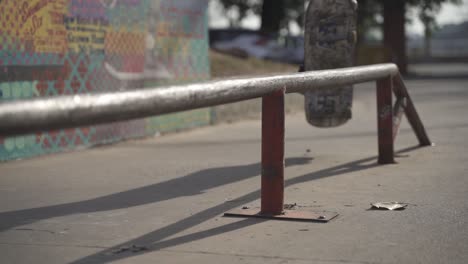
(55, 47)
(27, 12)
(56, 17)
(86, 34)
(40, 24)
(70, 21)
(97, 39)
(78, 39)
(36, 24)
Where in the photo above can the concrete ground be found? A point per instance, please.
(161, 200)
(439, 70)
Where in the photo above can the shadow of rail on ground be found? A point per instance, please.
(192, 184)
(155, 240)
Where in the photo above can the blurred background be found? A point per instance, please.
(67, 47)
(399, 31)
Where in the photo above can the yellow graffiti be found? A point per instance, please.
(39, 22)
(52, 37)
(86, 35)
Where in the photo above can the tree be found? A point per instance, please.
(394, 13)
(428, 10)
(427, 17)
(394, 32)
(275, 14)
(236, 10)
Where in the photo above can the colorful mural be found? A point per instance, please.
(62, 47)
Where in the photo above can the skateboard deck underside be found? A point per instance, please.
(330, 37)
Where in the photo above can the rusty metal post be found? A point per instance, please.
(272, 194)
(385, 120)
(411, 113)
(272, 183)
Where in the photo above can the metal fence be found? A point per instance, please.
(27, 116)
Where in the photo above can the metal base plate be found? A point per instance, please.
(290, 215)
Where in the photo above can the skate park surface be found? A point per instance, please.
(162, 199)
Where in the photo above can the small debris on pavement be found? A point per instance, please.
(388, 206)
(308, 150)
(132, 248)
(245, 207)
(290, 206)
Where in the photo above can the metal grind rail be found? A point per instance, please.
(35, 115)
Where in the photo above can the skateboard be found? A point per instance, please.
(330, 39)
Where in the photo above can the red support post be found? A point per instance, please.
(272, 191)
(385, 120)
(411, 113)
(272, 194)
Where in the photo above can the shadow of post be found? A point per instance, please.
(154, 241)
(192, 184)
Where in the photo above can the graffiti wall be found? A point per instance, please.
(63, 47)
